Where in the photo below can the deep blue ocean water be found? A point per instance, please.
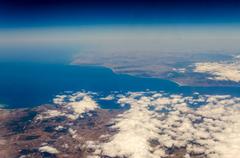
(33, 84)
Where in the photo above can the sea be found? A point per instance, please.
(30, 84)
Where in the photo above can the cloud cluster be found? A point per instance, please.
(48, 149)
(49, 114)
(72, 106)
(220, 71)
(109, 97)
(159, 124)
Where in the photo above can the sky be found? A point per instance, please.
(37, 13)
(126, 25)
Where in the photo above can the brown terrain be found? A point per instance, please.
(21, 135)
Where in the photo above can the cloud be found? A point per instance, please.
(210, 130)
(129, 39)
(48, 149)
(160, 124)
(71, 106)
(49, 114)
(109, 97)
(220, 71)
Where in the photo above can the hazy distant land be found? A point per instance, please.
(178, 67)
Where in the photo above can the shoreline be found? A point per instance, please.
(159, 78)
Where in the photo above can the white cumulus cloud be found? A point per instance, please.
(210, 130)
(220, 71)
(71, 106)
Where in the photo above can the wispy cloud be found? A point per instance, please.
(145, 38)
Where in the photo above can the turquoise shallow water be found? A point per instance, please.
(32, 84)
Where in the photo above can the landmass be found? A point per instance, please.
(180, 68)
(23, 136)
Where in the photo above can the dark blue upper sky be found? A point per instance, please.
(35, 13)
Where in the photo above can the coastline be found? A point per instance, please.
(178, 83)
